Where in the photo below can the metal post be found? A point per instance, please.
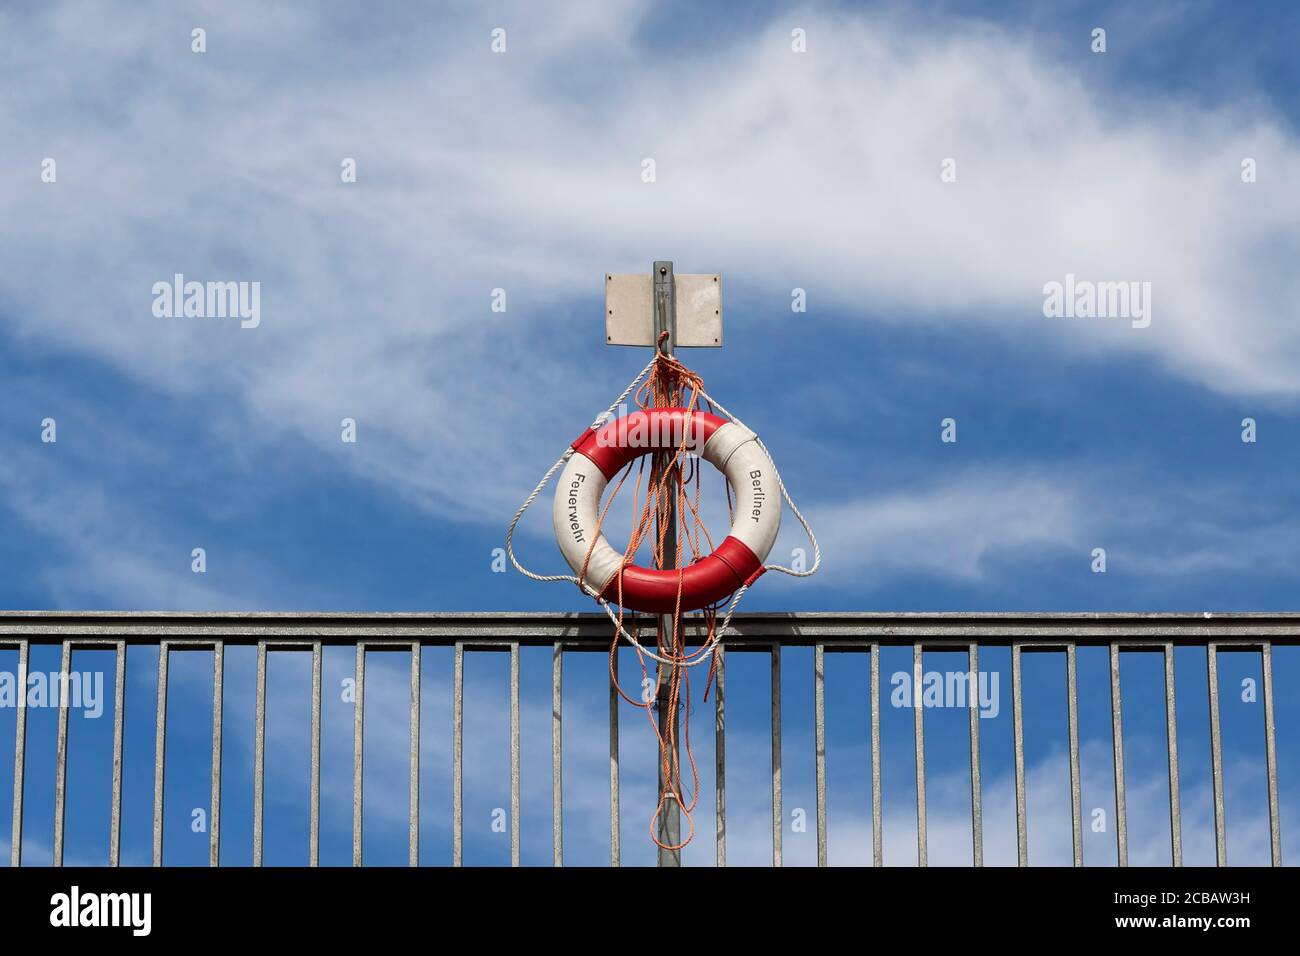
(665, 315)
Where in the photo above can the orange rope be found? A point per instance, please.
(670, 384)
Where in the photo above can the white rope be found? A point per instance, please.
(703, 654)
(601, 419)
(812, 538)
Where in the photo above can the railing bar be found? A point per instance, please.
(814, 633)
(313, 851)
(669, 731)
(514, 754)
(159, 753)
(1216, 756)
(918, 724)
(1171, 735)
(61, 754)
(557, 754)
(720, 755)
(976, 795)
(218, 695)
(259, 754)
(1117, 735)
(358, 748)
(1076, 786)
(877, 837)
(819, 694)
(1017, 711)
(615, 814)
(414, 797)
(854, 632)
(20, 748)
(119, 724)
(457, 755)
(778, 811)
(1270, 756)
(177, 643)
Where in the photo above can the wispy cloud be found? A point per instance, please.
(509, 174)
(987, 523)
(955, 528)
(100, 546)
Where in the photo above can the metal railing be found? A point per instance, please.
(564, 633)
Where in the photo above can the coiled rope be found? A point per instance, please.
(665, 382)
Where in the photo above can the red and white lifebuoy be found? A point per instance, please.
(598, 455)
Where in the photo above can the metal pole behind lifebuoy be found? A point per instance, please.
(665, 315)
(637, 312)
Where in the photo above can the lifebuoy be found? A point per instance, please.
(597, 458)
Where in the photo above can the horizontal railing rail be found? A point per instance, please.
(767, 633)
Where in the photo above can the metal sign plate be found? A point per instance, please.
(629, 310)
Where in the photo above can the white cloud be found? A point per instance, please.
(953, 529)
(521, 171)
(976, 521)
(102, 549)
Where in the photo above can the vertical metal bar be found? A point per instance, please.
(314, 826)
(670, 828)
(1076, 787)
(358, 748)
(557, 754)
(1171, 735)
(218, 694)
(669, 761)
(20, 750)
(1270, 756)
(1018, 719)
(615, 817)
(778, 811)
(1117, 734)
(877, 837)
(720, 755)
(61, 754)
(457, 756)
(918, 723)
(1216, 756)
(819, 698)
(159, 753)
(119, 724)
(414, 797)
(665, 305)
(514, 754)
(976, 794)
(259, 753)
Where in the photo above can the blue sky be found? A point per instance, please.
(522, 171)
